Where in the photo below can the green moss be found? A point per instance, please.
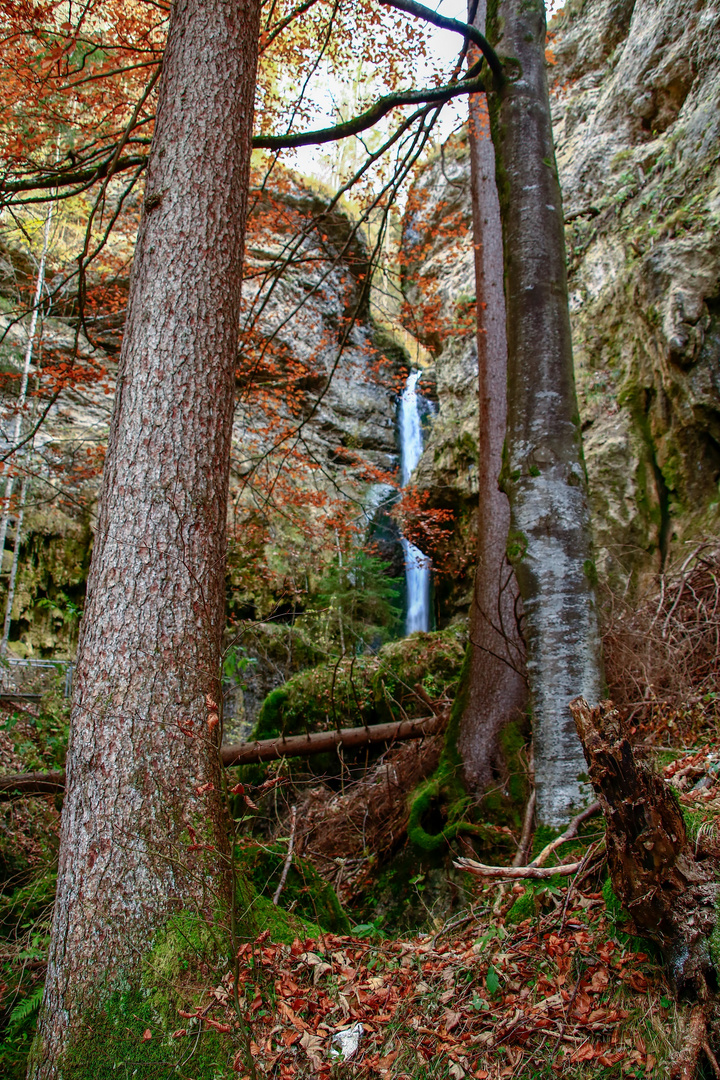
(525, 907)
(367, 689)
(110, 1044)
(304, 893)
(517, 545)
(714, 939)
(590, 571)
(285, 927)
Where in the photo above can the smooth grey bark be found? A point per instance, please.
(497, 689)
(143, 766)
(543, 474)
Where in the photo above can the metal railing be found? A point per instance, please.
(32, 678)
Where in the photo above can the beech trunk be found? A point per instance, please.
(143, 767)
(543, 472)
(497, 689)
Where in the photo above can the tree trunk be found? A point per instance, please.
(143, 766)
(543, 471)
(497, 690)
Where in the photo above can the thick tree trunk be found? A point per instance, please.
(143, 766)
(543, 472)
(497, 690)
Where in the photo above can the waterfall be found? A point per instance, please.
(417, 565)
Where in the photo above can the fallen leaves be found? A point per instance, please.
(490, 1002)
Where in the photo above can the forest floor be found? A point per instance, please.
(433, 974)
(527, 980)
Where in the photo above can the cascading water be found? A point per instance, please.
(417, 565)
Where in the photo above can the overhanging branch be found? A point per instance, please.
(429, 96)
(411, 7)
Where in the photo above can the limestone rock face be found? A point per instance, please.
(636, 114)
(637, 126)
(306, 319)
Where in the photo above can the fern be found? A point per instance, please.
(24, 1010)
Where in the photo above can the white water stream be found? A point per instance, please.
(417, 565)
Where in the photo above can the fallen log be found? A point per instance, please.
(252, 753)
(31, 783)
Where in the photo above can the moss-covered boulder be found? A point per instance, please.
(367, 689)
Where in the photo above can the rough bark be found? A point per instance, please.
(543, 471)
(497, 690)
(253, 753)
(143, 762)
(667, 884)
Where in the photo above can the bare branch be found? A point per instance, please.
(458, 27)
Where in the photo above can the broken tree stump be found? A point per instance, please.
(668, 885)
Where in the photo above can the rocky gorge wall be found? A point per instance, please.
(299, 444)
(635, 88)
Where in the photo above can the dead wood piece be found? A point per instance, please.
(288, 857)
(249, 753)
(506, 873)
(34, 783)
(670, 894)
(319, 742)
(685, 1066)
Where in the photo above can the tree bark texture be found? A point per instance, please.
(497, 690)
(143, 762)
(543, 472)
(667, 884)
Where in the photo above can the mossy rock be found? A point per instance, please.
(367, 689)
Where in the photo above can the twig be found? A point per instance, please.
(500, 873)
(288, 857)
(569, 834)
(526, 831)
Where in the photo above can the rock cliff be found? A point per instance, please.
(300, 445)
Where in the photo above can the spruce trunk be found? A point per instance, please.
(497, 690)
(143, 769)
(543, 472)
